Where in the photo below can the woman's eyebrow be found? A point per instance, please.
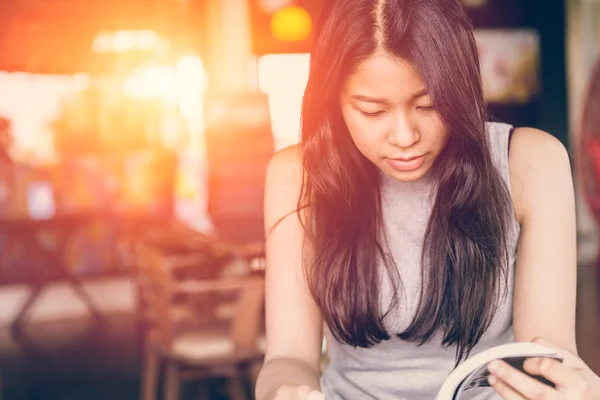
(370, 99)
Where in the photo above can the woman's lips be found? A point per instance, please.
(407, 164)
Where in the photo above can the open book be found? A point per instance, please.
(473, 372)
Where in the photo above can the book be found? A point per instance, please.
(473, 373)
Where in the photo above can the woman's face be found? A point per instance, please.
(390, 117)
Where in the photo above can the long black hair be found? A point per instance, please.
(465, 250)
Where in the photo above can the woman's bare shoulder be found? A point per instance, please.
(286, 163)
(536, 157)
(283, 184)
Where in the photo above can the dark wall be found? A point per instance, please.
(549, 18)
(549, 110)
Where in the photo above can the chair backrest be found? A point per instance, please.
(247, 293)
(159, 290)
(246, 324)
(156, 288)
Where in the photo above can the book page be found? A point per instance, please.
(478, 378)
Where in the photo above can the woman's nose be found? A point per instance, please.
(404, 133)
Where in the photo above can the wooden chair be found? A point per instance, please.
(227, 343)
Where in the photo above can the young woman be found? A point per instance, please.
(410, 228)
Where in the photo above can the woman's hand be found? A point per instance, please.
(573, 379)
(298, 393)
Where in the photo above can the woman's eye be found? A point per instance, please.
(371, 114)
(425, 108)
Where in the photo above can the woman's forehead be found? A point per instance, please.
(384, 76)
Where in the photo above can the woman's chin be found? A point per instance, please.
(406, 176)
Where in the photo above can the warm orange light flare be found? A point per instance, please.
(291, 24)
(125, 41)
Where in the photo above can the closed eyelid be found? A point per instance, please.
(425, 98)
(369, 107)
(420, 94)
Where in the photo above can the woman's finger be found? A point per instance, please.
(503, 389)
(315, 395)
(303, 392)
(569, 359)
(563, 377)
(523, 384)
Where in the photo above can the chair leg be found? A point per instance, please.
(150, 374)
(253, 371)
(203, 390)
(248, 381)
(236, 389)
(172, 381)
(240, 385)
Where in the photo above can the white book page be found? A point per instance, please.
(478, 363)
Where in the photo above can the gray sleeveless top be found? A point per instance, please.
(396, 369)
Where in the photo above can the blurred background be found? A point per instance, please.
(134, 137)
